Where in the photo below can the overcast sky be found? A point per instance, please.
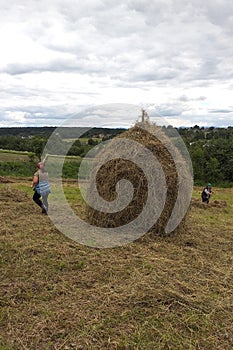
(171, 57)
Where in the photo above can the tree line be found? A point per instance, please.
(211, 152)
(65, 132)
(210, 149)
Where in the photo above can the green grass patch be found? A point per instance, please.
(12, 156)
(84, 140)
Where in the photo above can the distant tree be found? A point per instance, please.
(228, 170)
(212, 171)
(56, 145)
(36, 145)
(75, 151)
(77, 143)
(198, 158)
(92, 142)
(199, 135)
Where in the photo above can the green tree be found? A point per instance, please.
(92, 142)
(36, 145)
(75, 151)
(212, 171)
(198, 158)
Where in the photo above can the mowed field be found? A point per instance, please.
(168, 293)
(13, 156)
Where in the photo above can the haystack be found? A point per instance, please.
(116, 169)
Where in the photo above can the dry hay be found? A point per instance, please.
(212, 204)
(13, 195)
(114, 170)
(5, 180)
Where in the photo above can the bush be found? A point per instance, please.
(16, 169)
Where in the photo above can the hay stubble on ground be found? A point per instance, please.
(170, 293)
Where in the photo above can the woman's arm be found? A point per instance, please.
(35, 181)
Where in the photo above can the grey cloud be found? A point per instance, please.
(210, 120)
(161, 74)
(218, 12)
(54, 66)
(127, 44)
(167, 109)
(106, 31)
(179, 114)
(185, 98)
(222, 111)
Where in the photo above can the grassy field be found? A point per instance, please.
(84, 140)
(19, 164)
(12, 156)
(169, 293)
(8, 155)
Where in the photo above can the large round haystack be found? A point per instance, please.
(152, 138)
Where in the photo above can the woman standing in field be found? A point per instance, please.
(41, 187)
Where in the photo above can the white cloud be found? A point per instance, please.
(62, 57)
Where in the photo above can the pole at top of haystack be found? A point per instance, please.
(145, 117)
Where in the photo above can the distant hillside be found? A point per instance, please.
(65, 132)
(210, 149)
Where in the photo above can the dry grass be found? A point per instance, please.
(172, 293)
(13, 156)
